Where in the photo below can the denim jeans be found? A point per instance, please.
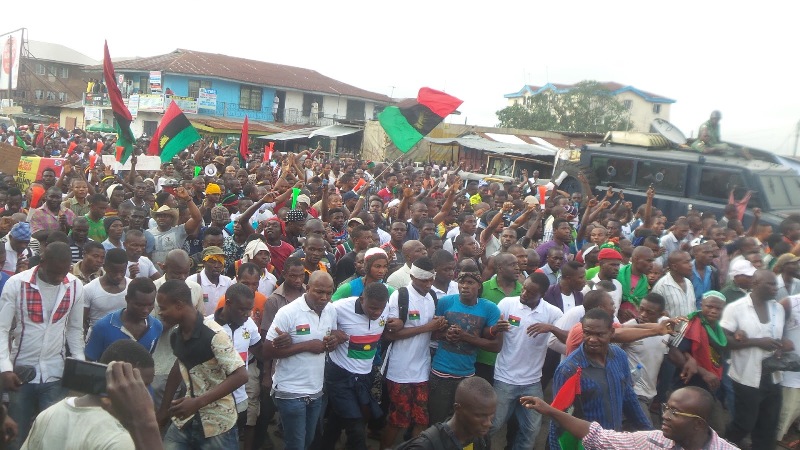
(508, 404)
(191, 437)
(30, 400)
(300, 417)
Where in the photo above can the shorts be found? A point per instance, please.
(408, 402)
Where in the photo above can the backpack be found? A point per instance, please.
(402, 302)
(433, 438)
(436, 438)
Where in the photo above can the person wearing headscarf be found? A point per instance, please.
(258, 253)
(376, 265)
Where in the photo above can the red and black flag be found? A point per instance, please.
(122, 116)
(412, 119)
(174, 134)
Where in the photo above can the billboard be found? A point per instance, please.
(10, 53)
(155, 81)
(187, 104)
(207, 99)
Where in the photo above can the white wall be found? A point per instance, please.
(294, 100)
(334, 106)
(369, 110)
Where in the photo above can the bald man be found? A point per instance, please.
(474, 408)
(298, 339)
(685, 425)
(412, 251)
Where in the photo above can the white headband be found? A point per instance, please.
(421, 274)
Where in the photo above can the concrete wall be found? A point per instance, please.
(641, 111)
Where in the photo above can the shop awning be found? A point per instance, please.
(330, 131)
(501, 148)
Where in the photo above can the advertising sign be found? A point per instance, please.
(187, 104)
(91, 114)
(207, 99)
(10, 52)
(133, 105)
(151, 102)
(155, 81)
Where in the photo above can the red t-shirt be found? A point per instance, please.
(279, 254)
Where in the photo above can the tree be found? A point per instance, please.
(586, 107)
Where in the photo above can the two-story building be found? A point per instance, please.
(642, 106)
(50, 76)
(217, 91)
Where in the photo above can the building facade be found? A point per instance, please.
(642, 106)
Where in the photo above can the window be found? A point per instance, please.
(195, 85)
(64, 72)
(149, 127)
(613, 171)
(144, 85)
(355, 110)
(250, 98)
(38, 94)
(308, 101)
(51, 95)
(40, 69)
(656, 109)
(62, 96)
(664, 176)
(717, 183)
(627, 104)
(52, 70)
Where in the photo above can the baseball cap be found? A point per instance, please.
(742, 267)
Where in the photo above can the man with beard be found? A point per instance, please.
(52, 215)
(685, 425)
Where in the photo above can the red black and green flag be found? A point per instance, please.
(122, 116)
(174, 134)
(564, 398)
(302, 329)
(363, 347)
(412, 119)
(514, 320)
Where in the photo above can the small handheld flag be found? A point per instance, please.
(244, 140)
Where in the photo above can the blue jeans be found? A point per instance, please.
(30, 400)
(300, 417)
(191, 437)
(508, 404)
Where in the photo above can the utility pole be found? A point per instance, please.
(796, 136)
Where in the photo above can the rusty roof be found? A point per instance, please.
(226, 124)
(191, 62)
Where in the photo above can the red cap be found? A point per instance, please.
(608, 253)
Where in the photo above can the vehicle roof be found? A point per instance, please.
(685, 156)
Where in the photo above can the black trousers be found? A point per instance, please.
(354, 430)
(756, 412)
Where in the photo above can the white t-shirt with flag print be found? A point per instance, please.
(356, 355)
(410, 359)
(520, 361)
(243, 338)
(301, 373)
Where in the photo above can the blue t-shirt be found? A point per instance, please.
(459, 359)
(108, 330)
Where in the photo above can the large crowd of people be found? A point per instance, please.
(384, 301)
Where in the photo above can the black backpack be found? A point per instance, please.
(436, 438)
(402, 302)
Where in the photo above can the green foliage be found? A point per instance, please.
(587, 107)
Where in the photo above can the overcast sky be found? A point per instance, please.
(738, 57)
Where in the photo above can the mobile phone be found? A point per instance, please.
(84, 376)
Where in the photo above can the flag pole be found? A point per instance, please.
(390, 166)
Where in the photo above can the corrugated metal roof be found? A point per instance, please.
(331, 131)
(191, 62)
(219, 124)
(48, 51)
(481, 143)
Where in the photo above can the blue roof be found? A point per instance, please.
(615, 89)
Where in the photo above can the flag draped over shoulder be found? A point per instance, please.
(122, 116)
(410, 120)
(174, 134)
(564, 398)
(243, 141)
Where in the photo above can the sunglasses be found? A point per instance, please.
(668, 413)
